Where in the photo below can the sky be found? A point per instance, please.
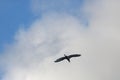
(34, 33)
(13, 14)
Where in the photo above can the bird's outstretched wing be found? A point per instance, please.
(74, 55)
(59, 59)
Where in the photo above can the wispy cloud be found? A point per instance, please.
(47, 37)
(66, 6)
(31, 56)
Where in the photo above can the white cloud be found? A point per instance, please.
(31, 56)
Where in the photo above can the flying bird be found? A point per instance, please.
(67, 57)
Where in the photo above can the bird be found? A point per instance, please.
(67, 57)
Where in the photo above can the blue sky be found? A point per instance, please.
(13, 14)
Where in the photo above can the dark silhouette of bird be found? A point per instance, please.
(67, 57)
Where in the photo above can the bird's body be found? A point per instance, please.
(67, 57)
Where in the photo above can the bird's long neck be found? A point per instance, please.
(64, 55)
